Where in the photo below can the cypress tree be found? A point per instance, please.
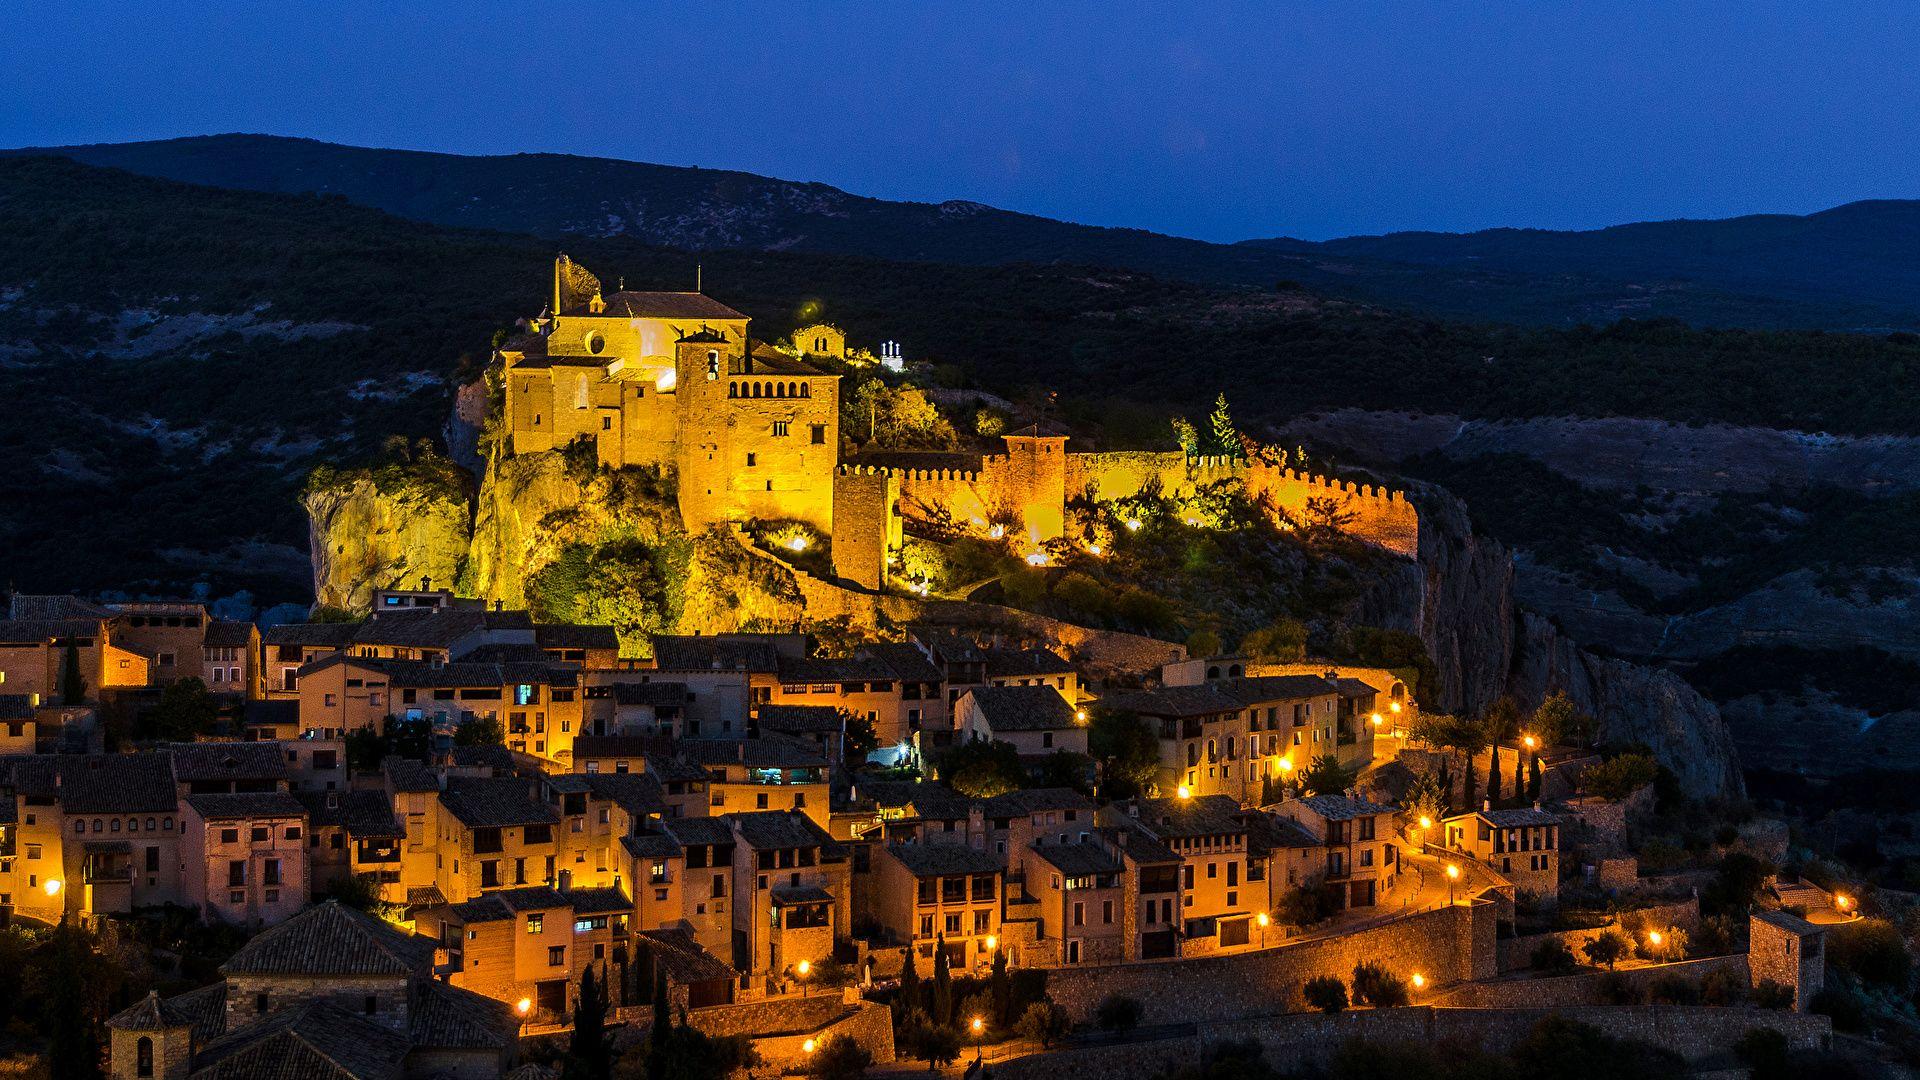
(1520, 780)
(1002, 989)
(1533, 785)
(942, 1009)
(1493, 777)
(73, 1035)
(662, 1033)
(589, 1054)
(909, 986)
(73, 685)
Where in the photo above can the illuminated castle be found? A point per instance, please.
(671, 380)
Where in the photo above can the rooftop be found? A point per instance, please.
(246, 806)
(1023, 708)
(631, 304)
(928, 860)
(331, 939)
(492, 802)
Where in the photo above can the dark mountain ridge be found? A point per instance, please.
(1843, 269)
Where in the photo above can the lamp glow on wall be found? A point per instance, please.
(52, 886)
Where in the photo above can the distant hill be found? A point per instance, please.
(1850, 268)
(181, 356)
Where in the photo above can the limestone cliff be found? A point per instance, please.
(1484, 646)
(371, 532)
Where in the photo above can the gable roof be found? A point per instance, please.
(1205, 815)
(765, 829)
(1023, 708)
(447, 1017)
(1345, 807)
(227, 761)
(331, 939)
(793, 719)
(27, 606)
(575, 636)
(1013, 663)
(313, 1040)
(246, 806)
(492, 802)
(1078, 859)
(116, 783)
(1201, 700)
(228, 633)
(923, 860)
(363, 813)
(680, 652)
(1265, 688)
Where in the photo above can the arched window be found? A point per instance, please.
(1213, 673)
(806, 390)
(143, 1056)
(79, 826)
(733, 390)
(150, 825)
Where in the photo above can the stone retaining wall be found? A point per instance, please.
(1446, 945)
(1562, 991)
(1291, 1042)
(1517, 952)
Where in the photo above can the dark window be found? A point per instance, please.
(143, 1054)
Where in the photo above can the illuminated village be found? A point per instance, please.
(946, 833)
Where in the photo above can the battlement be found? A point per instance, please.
(958, 476)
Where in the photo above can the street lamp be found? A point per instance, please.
(1264, 920)
(801, 969)
(809, 1046)
(1453, 875)
(1184, 791)
(993, 942)
(978, 1027)
(52, 886)
(1419, 981)
(1843, 903)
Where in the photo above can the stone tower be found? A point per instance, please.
(1036, 480)
(150, 1040)
(1787, 949)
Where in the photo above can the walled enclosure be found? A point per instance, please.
(1028, 486)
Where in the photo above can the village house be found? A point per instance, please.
(244, 856)
(355, 834)
(530, 944)
(1034, 719)
(1358, 855)
(329, 992)
(768, 773)
(1521, 845)
(929, 895)
(787, 866)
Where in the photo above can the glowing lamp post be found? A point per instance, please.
(1184, 792)
(1264, 920)
(1419, 981)
(978, 1027)
(524, 1007)
(53, 886)
(1133, 524)
(802, 969)
(1844, 905)
(1453, 875)
(809, 1046)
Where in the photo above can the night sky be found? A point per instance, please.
(1220, 121)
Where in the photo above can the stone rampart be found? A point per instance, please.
(1517, 952)
(1446, 945)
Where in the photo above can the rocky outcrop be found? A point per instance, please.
(1484, 646)
(368, 535)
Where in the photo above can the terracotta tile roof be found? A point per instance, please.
(313, 1040)
(926, 860)
(1033, 800)
(699, 831)
(325, 635)
(246, 806)
(789, 895)
(575, 636)
(1266, 832)
(631, 304)
(827, 669)
(446, 1017)
(117, 784)
(406, 774)
(227, 761)
(227, 633)
(686, 962)
(770, 751)
(1207, 815)
(1245, 692)
(25, 606)
(605, 746)
(491, 802)
(367, 814)
(658, 845)
(330, 939)
(764, 830)
(1178, 701)
(639, 794)
(1078, 859)
(599, 901)
(1017, 663)
(16, 706)
(204, 1010)
(1023, 708)
(506, 903)
(40, 631)
(1345, 807)
(795, 719)
(435, 628)
(906, 660)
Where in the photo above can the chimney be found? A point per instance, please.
(1486, 804)
(426, 583)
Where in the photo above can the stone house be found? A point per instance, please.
(772, 772)
(1521, 845)
(928, 895)
(531, 944)
(330, 992)
(229, 652)
(1356, 850)
(792, 894)
(1035, 719)
(244, 856)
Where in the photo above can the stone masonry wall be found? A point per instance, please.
(865, 528)
(1447, 945)
(1517, 952)
(1584, 988)
(1292, 1042)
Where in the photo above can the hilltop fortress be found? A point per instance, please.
(672, 380)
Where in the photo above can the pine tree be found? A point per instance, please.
(73, 685)
(942, 1009)
(1223, 440)
(590, 1053)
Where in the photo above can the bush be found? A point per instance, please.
(1616, 989)
(1768, 994)
(1619, 777)
(1842, 1006)
(1765, 1053)
(1609, 948)
(1326, 993)
(1722, 988)
(1674, 990)
(1309, 902)
(1043, 1022)
(1553, 955)
(1378, 987)
(1871, 949)
(1118, 1013)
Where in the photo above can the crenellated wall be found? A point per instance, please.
(1027, 488)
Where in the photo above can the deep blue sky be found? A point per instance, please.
(1222, 121)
